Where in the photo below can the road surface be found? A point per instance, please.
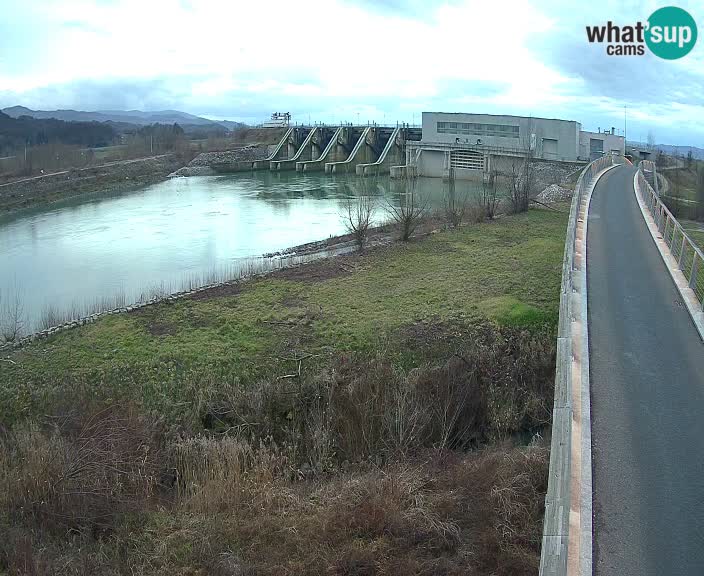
(647, 387)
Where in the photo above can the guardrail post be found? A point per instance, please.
(682, 249)
(695, 269)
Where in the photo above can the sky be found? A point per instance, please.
(349, 60)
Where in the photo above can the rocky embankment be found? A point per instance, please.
(111, 177)
(554, 193)
(210, 163)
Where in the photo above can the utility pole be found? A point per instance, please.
(625, 134)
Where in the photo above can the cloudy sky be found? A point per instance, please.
(332, 60)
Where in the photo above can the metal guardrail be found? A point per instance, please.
(689, 256)
(491, 149)
(556, 525)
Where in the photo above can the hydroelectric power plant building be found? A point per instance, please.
(474, 144)
(469, 145)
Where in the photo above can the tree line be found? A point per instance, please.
(18, 133)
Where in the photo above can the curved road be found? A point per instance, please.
(647, 387)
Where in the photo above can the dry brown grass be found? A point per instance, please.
(364, 468)
(81, 470)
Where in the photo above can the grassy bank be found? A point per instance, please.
(359, 415)
(113, 177)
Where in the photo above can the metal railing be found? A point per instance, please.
(689, 256)
(495, 149)
(553, 559)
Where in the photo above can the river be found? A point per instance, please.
(80, 255)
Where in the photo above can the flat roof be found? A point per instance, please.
(505, 116)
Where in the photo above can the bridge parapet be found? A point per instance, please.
(566, 546)
(687, 255)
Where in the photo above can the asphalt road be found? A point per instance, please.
(647, 387)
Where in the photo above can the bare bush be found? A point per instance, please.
(521, 182)
(359, 466)
(91, 467)
(455, 205)
(522, 175)
(490, 200)
(410, 211)
(495, 386)
(357, 218)
(11, 319)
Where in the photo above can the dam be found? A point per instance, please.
(369, 150)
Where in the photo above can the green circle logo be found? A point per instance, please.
(670, 33)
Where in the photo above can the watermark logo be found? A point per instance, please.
(669, 33)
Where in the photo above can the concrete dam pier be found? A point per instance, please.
(363, 150)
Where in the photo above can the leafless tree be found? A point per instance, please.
(455, 205)
(357, 217)
(522, 177)
(651, 140)
(700, 194)
(490, 201)
(410, 210)
(11, 319)
(674, 205)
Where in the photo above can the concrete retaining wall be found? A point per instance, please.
(567, 528)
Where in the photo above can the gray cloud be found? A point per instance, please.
(602, 83)
(406, 8)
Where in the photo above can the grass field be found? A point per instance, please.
(507, 271)
(697, 237)
(370, 414)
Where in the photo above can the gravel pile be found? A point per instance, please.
(548, 172)
(554, 193)
(210, 163)
(194, 171)
(246, 154)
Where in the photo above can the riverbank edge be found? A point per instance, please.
(59, 184)
(290, 258)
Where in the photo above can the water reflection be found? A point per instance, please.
(91, 249)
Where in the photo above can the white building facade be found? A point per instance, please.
(473, 144)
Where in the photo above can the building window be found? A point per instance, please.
(596, 145)
(474, 129)
(549, 147)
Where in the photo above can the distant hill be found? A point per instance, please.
(682, 151)
(122, 117)
(15, 133)
(671, 149)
